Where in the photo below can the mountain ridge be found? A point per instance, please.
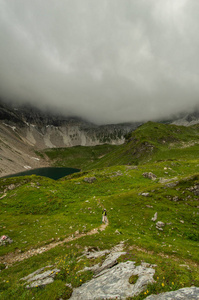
(24, 130)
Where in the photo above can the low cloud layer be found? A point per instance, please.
(108, 61)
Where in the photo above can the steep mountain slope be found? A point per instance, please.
(24, 129)
(15, 153)
(47, 130)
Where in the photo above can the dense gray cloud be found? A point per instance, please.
(107, 61)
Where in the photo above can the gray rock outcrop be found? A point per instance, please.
(191, 293)
(145, 194)
(159, 225)
(114, 283)
(5, 240)
(109, 262)
(149, 175)
(194, 189)
(90, 179)
(40, 277)
(155, 217)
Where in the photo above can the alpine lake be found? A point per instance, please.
(51, 172)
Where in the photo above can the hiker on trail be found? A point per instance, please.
(104, 216)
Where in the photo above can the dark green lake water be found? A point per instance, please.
(53, 173)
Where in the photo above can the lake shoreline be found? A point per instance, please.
(54, 173)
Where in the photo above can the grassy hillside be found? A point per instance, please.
(77, 157)
(153, 142)
(36, 211)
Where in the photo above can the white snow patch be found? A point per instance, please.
(27, 167)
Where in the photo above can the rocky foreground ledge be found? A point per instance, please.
(111, 280)
(114, 283)
(191, 293)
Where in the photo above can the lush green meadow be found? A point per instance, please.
(77, 157)
(36, 211)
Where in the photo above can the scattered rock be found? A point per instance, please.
(69, 285)
(159, 225)
(131, 167)
(175, 198)
(117, 231)
(185, 266)
(11, 187)
(172, 184)
(114, 283)
(90, 254)
(118, 173)
(149, 175)
(145, 194)
(194, 189)
(165, 180)
(109, 262)
(155, 217)
(35, 273)
(4, 240)
(90, 179)
(111, 280)
(40, 278)
(191, 293)
(3, 196)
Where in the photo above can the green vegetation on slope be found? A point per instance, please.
(151, 142)
(36, 211)
(77, 157)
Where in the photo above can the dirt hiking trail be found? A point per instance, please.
(13, 257)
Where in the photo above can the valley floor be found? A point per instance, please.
(152, 208)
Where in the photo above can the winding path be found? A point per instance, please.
(11, 258)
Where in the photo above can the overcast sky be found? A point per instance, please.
(109, 61)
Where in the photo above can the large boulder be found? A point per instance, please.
(114, 282)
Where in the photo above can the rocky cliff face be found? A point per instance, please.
(45, 130)
(24, 129)
(15, 153)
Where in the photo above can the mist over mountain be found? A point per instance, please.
(25, 129)
(107, 62)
